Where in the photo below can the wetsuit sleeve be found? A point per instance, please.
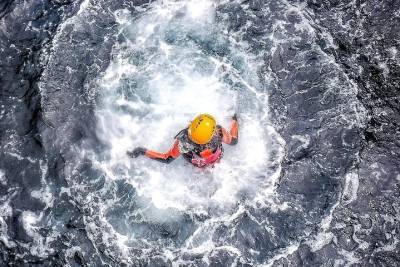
(168, 157)
(231, 137)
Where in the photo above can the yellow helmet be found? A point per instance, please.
(202, 129)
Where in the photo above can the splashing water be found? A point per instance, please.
(172, 63)
(107, 76)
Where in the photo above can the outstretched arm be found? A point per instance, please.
(168, 157)
(231, 137)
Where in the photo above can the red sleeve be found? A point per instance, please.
(173, 153)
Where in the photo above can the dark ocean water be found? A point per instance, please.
(314, 180)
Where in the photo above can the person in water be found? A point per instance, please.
(200, 143)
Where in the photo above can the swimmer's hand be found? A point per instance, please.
(136, 152)
(234, 117)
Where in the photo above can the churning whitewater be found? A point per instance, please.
(174, 61)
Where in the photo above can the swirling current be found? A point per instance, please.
(313, 181)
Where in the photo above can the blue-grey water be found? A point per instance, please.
(313, 181)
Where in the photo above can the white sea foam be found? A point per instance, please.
(29, 221)
(174, 63)
(166, 80)
(283, 254)
(44, 193)
(84, 5)
(3, 179)
(5, 212)
(350, 188)
(325, 235)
